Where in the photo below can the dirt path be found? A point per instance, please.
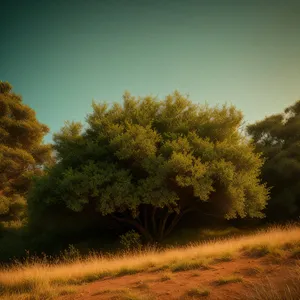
(171, 286)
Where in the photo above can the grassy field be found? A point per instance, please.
(51, 281)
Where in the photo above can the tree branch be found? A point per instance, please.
(163, 225)
(136, 224)
(176, 220)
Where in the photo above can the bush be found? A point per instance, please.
(131, 240)
(70, 254)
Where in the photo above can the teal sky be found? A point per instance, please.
(59, 55)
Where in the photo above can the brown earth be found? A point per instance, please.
(153, 286)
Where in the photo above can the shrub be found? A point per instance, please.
(131, 240)
(70, 254)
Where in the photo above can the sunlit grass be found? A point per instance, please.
(225, 257)
(191, 264)
(124, 294)
(38, 278)
(257, 251)
(287, 289)
(229, 279)
(40, 292)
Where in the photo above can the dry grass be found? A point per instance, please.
(253, 271)
(142, 286)
(296, 253)
(230, 279)
(42, 292)
(124, 294)
(191, 264)
(38, 278)
(166, 276)
(288, 289)
(196, 293)
(224, 258)
(257, 251)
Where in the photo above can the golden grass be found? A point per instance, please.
(287, 289)
(124, 294)
(196, 293)
(229, 279)
(38, 278)
(41, 292)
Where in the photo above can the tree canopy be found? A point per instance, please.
(22, 153)
(278, 138)
(149, 162)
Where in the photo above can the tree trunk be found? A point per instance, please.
(158, 233)
(162, 226)
(145, 217)
(143, 231)
(154, 228)
(175, 221)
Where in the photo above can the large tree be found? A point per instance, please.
(22, 153)
(148, 163)
(278, 138)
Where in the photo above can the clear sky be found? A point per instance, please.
(59, 55)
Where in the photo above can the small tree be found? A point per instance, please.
(148, 163)
(278, 138)
(22, 153)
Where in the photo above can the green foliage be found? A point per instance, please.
(70, 254)
(22, 153)
(131, 240)
(148, 163)
(278, 138)
(12, 245)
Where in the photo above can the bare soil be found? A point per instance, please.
(156, 285)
